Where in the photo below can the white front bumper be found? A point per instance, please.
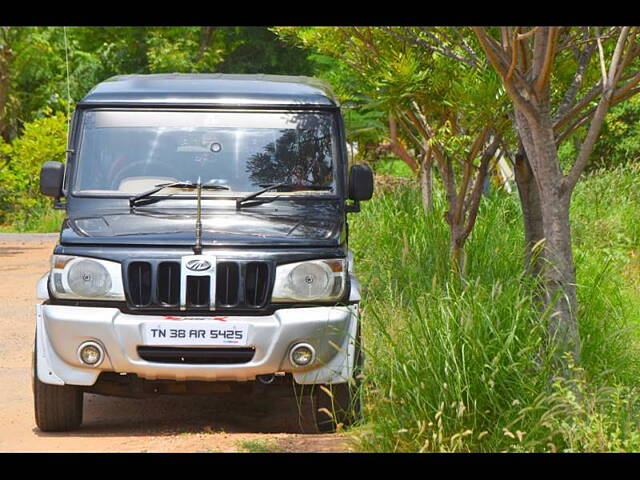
(61, 329)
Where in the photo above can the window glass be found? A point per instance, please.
(128, 152)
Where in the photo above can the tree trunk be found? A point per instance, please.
(206, 34)
(560, 276)
(5, 79)
(458, 254)
(426, 182)
(526, 69)
(557, 267)
(531, 210)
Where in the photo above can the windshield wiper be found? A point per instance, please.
(288, 187)
(147, 195)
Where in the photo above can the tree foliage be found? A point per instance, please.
(34, 95)
(33, 61)
(619, 142)
(438, 110)
(43, 139)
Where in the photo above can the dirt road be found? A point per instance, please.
(163, 424)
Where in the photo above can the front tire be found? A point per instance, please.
(58, 408)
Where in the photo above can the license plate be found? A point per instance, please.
(195, 333)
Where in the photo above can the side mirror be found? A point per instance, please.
(360, 183)
(51, 177)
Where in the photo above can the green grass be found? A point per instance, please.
(392, 166)
(41, 220)
(259, 446)
(451, 368)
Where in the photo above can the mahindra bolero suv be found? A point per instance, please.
(205, 244)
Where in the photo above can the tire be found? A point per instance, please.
(340, 404)
(58, 408)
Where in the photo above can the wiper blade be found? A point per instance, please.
(146, 195)
(288, 187)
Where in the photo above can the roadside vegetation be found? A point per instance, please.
(473, 342)
(461, 367)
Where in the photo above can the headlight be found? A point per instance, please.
(85, 278)
(316, 280)
(88, 278)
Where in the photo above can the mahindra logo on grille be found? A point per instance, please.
(198, 265)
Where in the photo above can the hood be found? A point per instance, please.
(296, 224)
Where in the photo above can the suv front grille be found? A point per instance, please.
(156, 284)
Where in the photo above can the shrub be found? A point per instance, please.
(42, 139)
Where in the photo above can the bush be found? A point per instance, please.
(619, 141)
(43, 139)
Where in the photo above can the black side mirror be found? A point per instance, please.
(360, 182)
(51, 177)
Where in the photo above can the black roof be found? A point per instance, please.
(214, 89)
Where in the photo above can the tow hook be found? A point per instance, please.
(266, 379)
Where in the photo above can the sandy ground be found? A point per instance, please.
(112, 424)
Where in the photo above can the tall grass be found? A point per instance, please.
(40, 219)
(454, 367)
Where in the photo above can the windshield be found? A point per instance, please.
(129, 152)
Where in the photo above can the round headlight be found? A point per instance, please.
(310, 280)
(89, 279)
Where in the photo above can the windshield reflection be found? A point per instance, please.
(124, 153)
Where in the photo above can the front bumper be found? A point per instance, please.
(61, 329)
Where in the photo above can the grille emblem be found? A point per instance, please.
(198, 265)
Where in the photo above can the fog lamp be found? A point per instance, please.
(90, 353)
(302, 354)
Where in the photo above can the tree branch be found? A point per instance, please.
(514, 53)
(543, 78)
(491, 49)
(476, 193)
(570, 181)
(584, 59)
(410, 37)
(396, 146)
(404, 123)
(523, 36)
(580, 105)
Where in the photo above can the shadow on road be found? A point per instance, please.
(175, 414)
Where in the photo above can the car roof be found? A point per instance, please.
(214, 89)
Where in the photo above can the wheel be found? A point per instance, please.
(58, 408)
(340, 403)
